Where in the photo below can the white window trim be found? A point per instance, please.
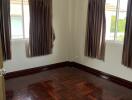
(115, 41)
(23, 26)
(23, 23)
(116, 21)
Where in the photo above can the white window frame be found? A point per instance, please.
(116, 20)
(23, 25)
(115, 41)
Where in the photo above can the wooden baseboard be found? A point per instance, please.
(100, 74)
(35, 70)
(103, 75)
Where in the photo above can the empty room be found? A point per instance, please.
(65, 49)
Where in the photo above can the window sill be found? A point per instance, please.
(18, 40)
(114, 42)
(21, 39)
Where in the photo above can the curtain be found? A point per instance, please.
(127, 49)
(5, 28)
(41, 35)
(96, 27)
(1, 56)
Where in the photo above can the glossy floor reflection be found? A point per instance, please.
(64, 84)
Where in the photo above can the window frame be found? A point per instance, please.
(114, 40)
(116, 20)
(23, 25)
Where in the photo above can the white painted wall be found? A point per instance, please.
(112, 63)
(62, 42)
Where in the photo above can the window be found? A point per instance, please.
(19, 19)
(115, 19)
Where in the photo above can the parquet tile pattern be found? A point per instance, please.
(64, 84)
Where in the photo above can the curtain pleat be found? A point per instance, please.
(127, 49)
(1, 56)
(5, 28)
(41, 35)
(96, 27)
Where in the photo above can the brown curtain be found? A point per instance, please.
(96, 27)
(41, 34)
(5, 28)
(127, 50)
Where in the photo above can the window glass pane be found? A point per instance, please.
(16, 19)
(16, 27)
(111, 6)
(123, 5)
(122, 20)
(121, 26)
(26, 18)
(16, 7)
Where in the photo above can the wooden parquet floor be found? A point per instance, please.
(64, 84)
